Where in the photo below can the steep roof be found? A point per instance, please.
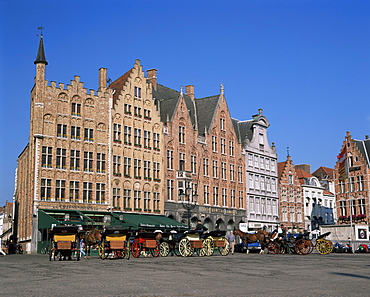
(118, 84)
(302, 175)
(327, 171)
(40, 58)
(206, 108)
(364, 148)
(281, 166)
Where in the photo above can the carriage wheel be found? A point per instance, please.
(164, 249)
(185, 248)
(324, 246)
(135, 249)
(303, 247)
(51, 250)
(225, 250)
(101, 250)
(208, 247)
(155, 252)
(274, 248)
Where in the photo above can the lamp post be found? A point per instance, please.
(189, 201)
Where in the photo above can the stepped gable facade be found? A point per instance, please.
(292, 209)
(202, 159)
(352, 180)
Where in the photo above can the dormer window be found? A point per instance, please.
(137, 92)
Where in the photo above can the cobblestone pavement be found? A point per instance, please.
(233, 275)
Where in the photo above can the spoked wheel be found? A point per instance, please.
(225, 248)
(208, 247)
(324, 246)
(51, 250)
(155, 252)
(135, 249)
(274, 248)
(303, 247)
(185, 248)
(101, 250)
(164, 249)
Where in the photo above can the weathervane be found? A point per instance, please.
(40, 28)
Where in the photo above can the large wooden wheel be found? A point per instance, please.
(324, 246)
(303, 247)
(135, 249)
(274, 248)
(164, 249)
(225, 249)
(102, 250)
(185, 248)
(208, 247)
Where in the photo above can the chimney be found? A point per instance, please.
(102, 78)
(304, 167)
(189, 90)
(152, 76)
(366, 137)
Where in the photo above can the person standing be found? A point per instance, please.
(1, 248)
(231, 239)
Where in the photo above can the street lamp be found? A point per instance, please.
(189, 201)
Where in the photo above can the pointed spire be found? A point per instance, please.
(40, 59)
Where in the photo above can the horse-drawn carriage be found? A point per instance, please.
(146, 243)
(291, 243)
(115, 242)
(65, 243)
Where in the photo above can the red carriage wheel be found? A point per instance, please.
(155, 251)
(274, 248)
(303, 247)
(135, 249)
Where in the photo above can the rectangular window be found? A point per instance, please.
(223, 146)
(257, 182)
(74, 189)
(232, 172)
(147, 201)
(137, 111)
(240, 174)
(272, 164)
(251, 204)
(100, 163)
(137, 92)
(156, 201)
(194, 164)
(147, 139)
(116, 198)
(116, 165)
(147, 175)
(222, 125)
(205, 167)
(156, 168)
(75, 160)
(137, 137)
(250, 160)
(75, 133)
(232, 198)
(206, 194)
(137, 168)
(215, 169)
(126, 166)
(170, 189)
(181, 134)
(127, 109)
(241, 199)
(88, 161)
(127, 135)
(182, 161)
(46, 189)
(76, 109)
(89, 134)
(267, 164)
(87, 192)
(100, 193)
(169, 159)
(127, 199)
(214, 144)
(262, 162)
(61, 158)
(147, 114)
(156, 141)
(231, 148)
(47, 156)
(223, 170)
(62, 130)
(224, 197)
(137, 198)
(256, 161)
(117, 132)
(215, 195)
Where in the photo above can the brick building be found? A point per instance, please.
(352, 180)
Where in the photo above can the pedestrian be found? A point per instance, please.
(231, 239)
(82, 247)
(200, 226)
(1, 248)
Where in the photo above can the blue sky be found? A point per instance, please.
(306, 63)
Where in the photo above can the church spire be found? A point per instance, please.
(40, 59)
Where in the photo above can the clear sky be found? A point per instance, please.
(306, 62)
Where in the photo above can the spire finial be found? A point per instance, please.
(40, 59)
(287, 149)
(181, 91)
(222, 89)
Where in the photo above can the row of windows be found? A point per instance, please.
(147, 138)
(262, 183)
(88, 193)
(135, 199)
(259, 162)
(262, 205)
(213, 196)
(224, 172)
(149, 169)
(75, 132)
(291, 195)
(355, 183)
(291, 214)
(358, 206)
(75, 159)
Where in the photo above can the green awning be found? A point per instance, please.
(152, 221)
